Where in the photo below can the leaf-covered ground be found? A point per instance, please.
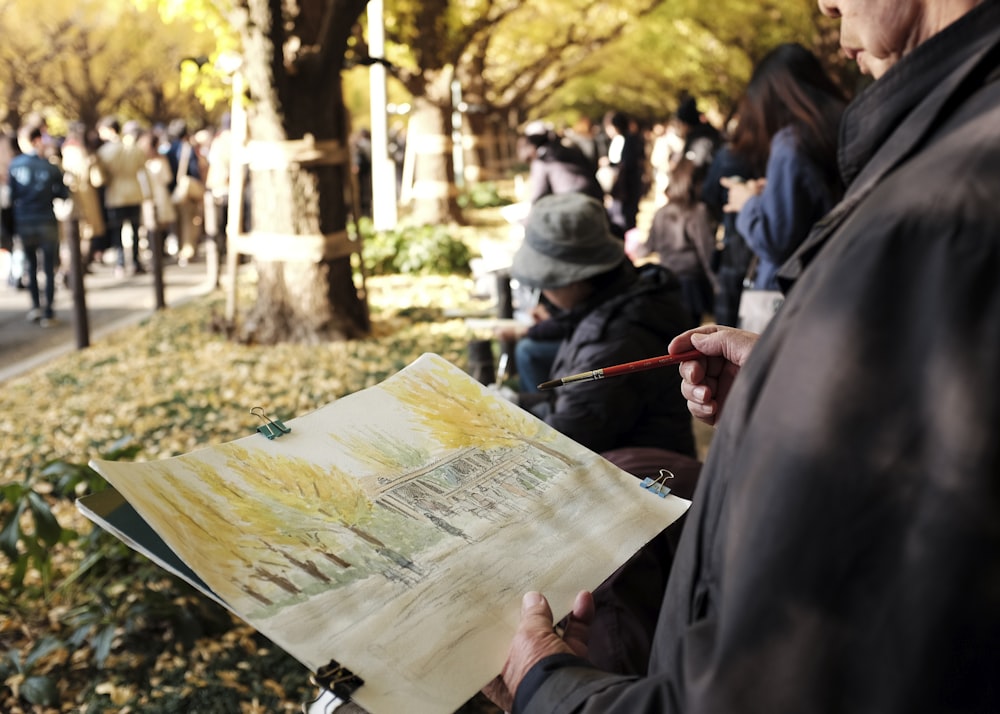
(170, 385)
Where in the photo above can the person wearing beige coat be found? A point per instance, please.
(83, 176)
(122, 161)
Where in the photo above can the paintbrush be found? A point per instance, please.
(619, 369)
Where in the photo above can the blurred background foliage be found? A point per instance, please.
(561, 59)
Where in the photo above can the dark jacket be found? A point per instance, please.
(776, 222)
(173, 155)
(633, 316)
(561, 167)
(734, 260)
(34, 183)
(841, 553)
(684, 239)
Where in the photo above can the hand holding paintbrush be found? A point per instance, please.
(620, 369)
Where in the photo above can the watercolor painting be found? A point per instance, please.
(395, 529)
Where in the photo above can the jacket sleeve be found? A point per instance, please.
(699, 231)
(580, 689)
(59, 187)
(597, 413)
(778, 220)
(538, 180)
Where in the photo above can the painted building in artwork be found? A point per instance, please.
(469, 482)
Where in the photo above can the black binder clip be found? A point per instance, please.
(271, 428)
(336, 678)
(658, 485)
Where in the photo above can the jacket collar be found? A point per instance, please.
(906, 89)
(895, 115)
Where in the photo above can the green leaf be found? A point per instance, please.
(123, 449)
(46, 646)
(19, 571)
(13, 492)
(47, 528)
(15, 659)
(66, 476)
(40, 691)
(102, 644)
(11, 533)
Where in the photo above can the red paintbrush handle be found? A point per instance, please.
(651, 363)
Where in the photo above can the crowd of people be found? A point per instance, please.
(131, 190)
(733, 201)
(735, 204)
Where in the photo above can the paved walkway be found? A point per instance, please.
(112, 303)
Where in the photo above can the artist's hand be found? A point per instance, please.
(535, 640)
(706, 382)
(740, 191)
(540, 313)
(511, 333)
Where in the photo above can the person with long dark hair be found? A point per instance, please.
(789, 117)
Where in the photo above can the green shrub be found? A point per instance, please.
(414, 250)
(482, 195)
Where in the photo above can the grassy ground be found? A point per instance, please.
(165, 388)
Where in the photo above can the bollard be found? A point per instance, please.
(81, 323)
(155, 238)
(505, 296)
(481, 361)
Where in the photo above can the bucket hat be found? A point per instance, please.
(566, 239)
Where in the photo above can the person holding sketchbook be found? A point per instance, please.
(612, 313)
(840, 553)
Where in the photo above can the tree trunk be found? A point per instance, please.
(428, 138)
(299, 173)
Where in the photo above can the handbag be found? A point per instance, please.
(6, 221)
(757, 307)
(188, 188)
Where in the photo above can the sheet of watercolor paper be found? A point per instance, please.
(396, 529)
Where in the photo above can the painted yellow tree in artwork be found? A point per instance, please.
(269, 530)
(457, 412)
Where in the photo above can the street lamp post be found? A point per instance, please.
(232, 65)
(383, 169)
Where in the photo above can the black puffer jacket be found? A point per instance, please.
(633, 315)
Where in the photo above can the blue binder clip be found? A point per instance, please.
(271, 428)
(658, 485)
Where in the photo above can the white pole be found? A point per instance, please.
(383, 168)
(234, 217)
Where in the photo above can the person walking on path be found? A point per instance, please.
(183, 158)
(34, 185)
(627, 158)
(79, 165)
(122, 161)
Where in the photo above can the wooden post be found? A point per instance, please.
(155, 237)
(81, 324)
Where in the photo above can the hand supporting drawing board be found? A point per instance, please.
(393, 530)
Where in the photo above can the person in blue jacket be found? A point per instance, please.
(34, 184)
(789, 118)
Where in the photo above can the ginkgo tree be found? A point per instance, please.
(513, 60)
(83, 59)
